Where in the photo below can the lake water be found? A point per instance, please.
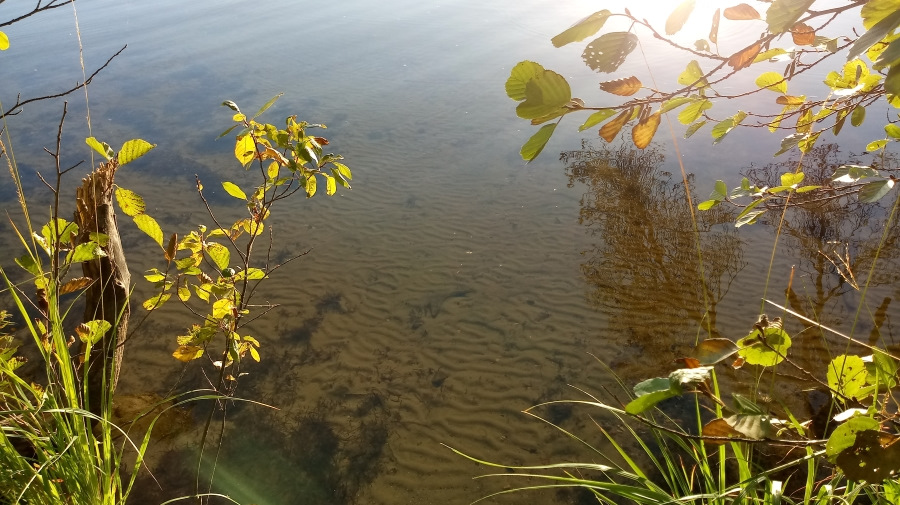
(454, 286)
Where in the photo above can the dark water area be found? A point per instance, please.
(454, 286)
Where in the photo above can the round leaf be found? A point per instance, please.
(770, 353)
(608, 52)
(741, 12)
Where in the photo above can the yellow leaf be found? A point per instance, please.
(133, 149)
(609, 131)
(272, 171)
(744, 58)
(130, 202)
(692, 75)
(741, 12)
(4, 42)
(772, 81)
(187, 353)
(149, 226)
(623, 87)
(244, 149)
(643, 132)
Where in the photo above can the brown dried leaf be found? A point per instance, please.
(714, 31)
(714, 350)
(803, 34)
(739, 362)
(688, 362)
(741, 12)
(790, 100)
(170, 250)
(623, 87)
(609, 131)
(719, 428)
(744, 59)
(75, 284)
(643, 132)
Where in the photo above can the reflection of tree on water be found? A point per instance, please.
(832, 244)
(644, 269)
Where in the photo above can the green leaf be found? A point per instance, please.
(582, 29)
(693, 111)
(266, 106)
(889, 56)
(853, 173)
(523, 72)
(130, 202)
(858, 115)
(807, 142)
(133, 149)
(876, 145)
(722, 128)
(770, 353)
(545, 94)
(231, 105)
(91, 332)
(156, 301)
(674, 103)
(844, 436)
(28, 264)
(309, 184)
(219, 254)
(693, 76)
(679, 16)
(87, 251)
(693, 129)
(720, 192)
(708, 204)
(791, 179)
(233, 190)
(771, 54)
(748, 216)
(772, 81)
(754, 426)
(892, 130)
(596, 118)
(892, 82)
(847, 375)
(101, 147)
(783, 14)
(650, 392)
(789, 142)
(608, 52)
(154, 275)
(873, 191)
(874, 34)
(149, 226)
(536, 143)
(343, 169)
(4, 41)
(744, 405)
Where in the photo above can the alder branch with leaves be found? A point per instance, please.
(870, 73)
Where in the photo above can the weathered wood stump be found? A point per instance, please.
(107, 296)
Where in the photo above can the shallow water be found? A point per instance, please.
(454, 286)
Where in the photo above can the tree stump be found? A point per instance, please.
(107, 296)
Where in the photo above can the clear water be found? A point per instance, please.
(454, 286)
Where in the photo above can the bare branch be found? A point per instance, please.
(17, 107)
